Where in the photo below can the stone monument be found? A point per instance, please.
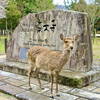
(44, 29)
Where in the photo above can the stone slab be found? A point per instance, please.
(4, 74)
(31, 96)
(63, 96)
(82, 99)
(35, 81)
(3, 77)
(61, 88)
(10, 89)
(15, 82)
(89, 88)
(97, 84)
(85, 94)
(74, 79)
(2, 83)
(97, 90)
(35, 88)
(4, 96)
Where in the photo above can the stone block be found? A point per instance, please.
(31, 96)
(63, 96)
(3, 77)
(10, 89)
(2, 83)
(35, 88)
(85, 94)
(97, 90)
(89, 88)
(44, 29)
(15, 82)
(70, 78)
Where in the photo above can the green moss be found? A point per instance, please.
(73, 82)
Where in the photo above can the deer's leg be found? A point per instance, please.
(38, 78)
(56, 77)
(29, 75)
(52, 79)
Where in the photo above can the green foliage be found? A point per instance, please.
(97, 24)
(13, 14)
(97, 1)
(16, 9)
(92, 9)
(34, 6)
(2, 23)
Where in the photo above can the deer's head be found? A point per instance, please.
(68, 41)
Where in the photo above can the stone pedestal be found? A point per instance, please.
(44, 29)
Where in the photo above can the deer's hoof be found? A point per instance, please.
(30, 88)
(58, 95)
(52, 97)
(42, 88)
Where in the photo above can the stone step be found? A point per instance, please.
(70, 78)
(17, 85)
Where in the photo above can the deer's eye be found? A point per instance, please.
(66, 41)
(72, 41)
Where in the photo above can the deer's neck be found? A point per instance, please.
(64, 57)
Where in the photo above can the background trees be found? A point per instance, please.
(16, 9)
(93, 10)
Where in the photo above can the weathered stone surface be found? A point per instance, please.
(35, 88)
(85, 94)
(62, 88)
(96, 84)
(5, 74)
(3, 4)
(65, 92)
(3, 77)
(74, 79)
(15, 82)
(63, 96)
(6, 97)
(2, 83)
(89, 88)
(82, 99)
(45, 28)
(97, 90)
(10, 89)
(32, 96)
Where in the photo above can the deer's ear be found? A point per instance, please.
(76, 37)
(61, 37)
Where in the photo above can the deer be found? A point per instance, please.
(49, 60)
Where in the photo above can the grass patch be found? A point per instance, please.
(2, 46)
(96, 48)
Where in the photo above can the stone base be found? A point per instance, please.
(74, 79)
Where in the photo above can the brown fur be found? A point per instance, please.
(49, 60)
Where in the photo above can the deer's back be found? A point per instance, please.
(48, 60)
(35, 51)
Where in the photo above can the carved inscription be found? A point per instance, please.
(41, 27)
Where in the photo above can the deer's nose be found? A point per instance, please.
(71, 48)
